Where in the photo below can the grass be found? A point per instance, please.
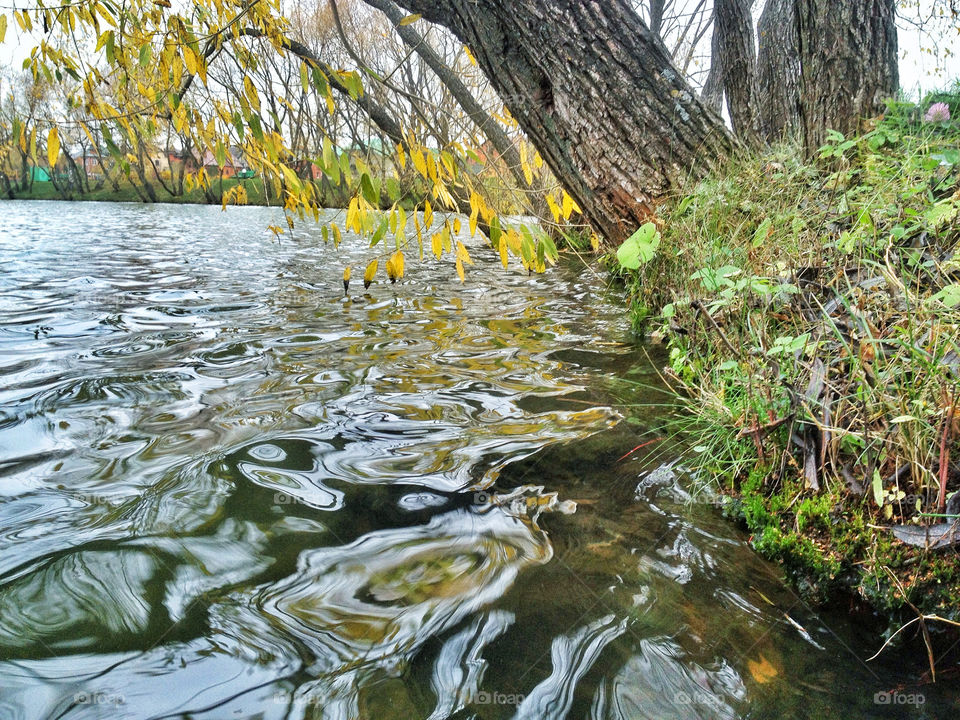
(812, 313)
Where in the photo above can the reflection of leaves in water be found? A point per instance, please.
(761, 670)
(423, 578)
(367, 607)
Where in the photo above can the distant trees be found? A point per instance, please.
(604, 91)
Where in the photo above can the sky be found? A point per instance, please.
(917, 68)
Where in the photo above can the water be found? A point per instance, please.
(227, 490)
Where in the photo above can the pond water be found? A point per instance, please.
(227, 490)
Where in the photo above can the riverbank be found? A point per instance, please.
(811, 310)
(126, 191)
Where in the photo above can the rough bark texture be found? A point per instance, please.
(778, 71)
(848, 59)
(735, 54)
(597, 95)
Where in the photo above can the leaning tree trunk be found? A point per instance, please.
(597, 95)
(848, 59)
(734, 52)
(778, 71)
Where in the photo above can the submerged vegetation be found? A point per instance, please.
(811, 310)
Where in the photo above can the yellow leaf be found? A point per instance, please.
(462, 253)
(53, 147)
(527, 172)
(762, 670)
(427, 214)
(251, 92)
(436, 243)
(409, 19)
(346, 273)
(401, 156)
(554, 208)
(470, 57)
(419, 162)
(3, 26)
(456, 226)
(537, 160)
(395, 266)
(503, 251)
(331, 107)
(369, 273)
(460, 272)
(337, 237)
(567, 206)
(190, 59)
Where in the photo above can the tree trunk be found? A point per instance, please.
(597, 95)
(734, 51)
(778, 71)
(711, 94)
(657, 8)
(848, 60)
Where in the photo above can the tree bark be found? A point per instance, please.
(597, 95)
(848, 60)
(735, 53)
(778, 71)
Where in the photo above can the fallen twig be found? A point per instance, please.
(640, 447)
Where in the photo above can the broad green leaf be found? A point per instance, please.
(368, 191)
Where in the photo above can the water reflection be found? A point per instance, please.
(226, 490)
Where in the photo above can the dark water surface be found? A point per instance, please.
(227, 491)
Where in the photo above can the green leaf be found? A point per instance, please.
(877, 488)
(639, 248)
(684, 205)
(381, 231)
(254, 123)
(949, 296)
(549, 247)
(762, 232)
(369, 192)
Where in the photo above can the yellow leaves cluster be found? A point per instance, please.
(154, 49)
